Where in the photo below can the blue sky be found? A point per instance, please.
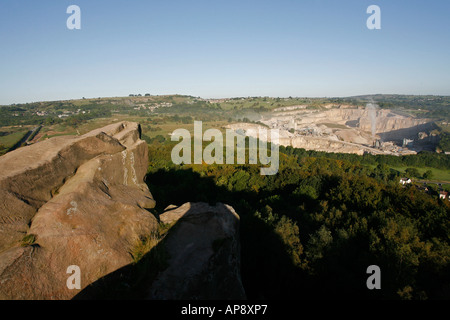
(222, 48)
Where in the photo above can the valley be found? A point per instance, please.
(334, 207)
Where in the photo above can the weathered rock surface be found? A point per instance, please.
(83, 199)
(204, 254)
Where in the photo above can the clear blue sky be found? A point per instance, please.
(222, 48)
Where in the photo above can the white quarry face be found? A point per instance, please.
(344, 129)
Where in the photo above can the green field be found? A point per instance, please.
(439, 175)
(269, 103)
(150, 130)
(11, 139)
(165, 129)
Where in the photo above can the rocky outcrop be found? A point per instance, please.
(195, 255)
(204, 254)
(71, 201)
(81, 201)
(390, 122)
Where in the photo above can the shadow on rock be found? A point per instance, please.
(198, 259)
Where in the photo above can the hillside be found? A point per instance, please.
(308, 232)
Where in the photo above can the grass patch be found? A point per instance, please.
(144, 246)
(438, 174)
(169, 127)
(28, 240)
(10, 140)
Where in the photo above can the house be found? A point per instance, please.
(404, 181)
(443, 195)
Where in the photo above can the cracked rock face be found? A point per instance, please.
(83, 202)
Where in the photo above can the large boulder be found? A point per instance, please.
(204, 254)
(72, 201)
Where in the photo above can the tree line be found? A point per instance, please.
(312, 230)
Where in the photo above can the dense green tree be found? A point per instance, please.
(319, 223)
(428, 175)
(412, 172)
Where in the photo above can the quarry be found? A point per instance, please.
(347, 129)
